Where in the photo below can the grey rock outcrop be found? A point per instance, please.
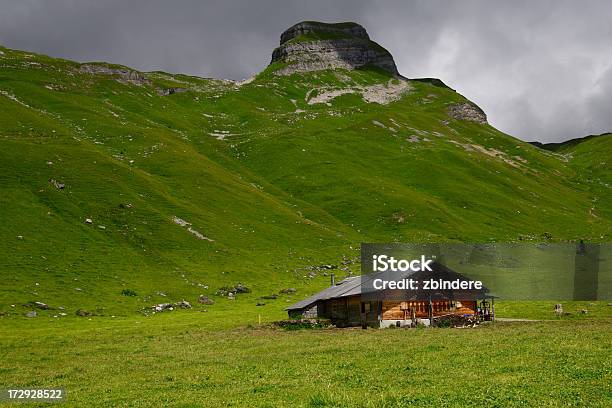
(467, 111)
(122, 74)
(313, 46)
(315, 27)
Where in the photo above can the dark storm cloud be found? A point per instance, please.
(540, 69)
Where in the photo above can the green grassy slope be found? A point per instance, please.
(131, 160)
(590, 157)
(406, 171)
(276, 184)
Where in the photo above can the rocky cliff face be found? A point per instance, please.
(469, 112)
(314, 27)
(313, 46)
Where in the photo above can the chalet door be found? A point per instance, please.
(365, 309)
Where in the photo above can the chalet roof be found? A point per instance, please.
(347, 287)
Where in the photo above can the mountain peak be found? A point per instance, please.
(314, 46)
(346, 29)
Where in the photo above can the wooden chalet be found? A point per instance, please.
(347, 304)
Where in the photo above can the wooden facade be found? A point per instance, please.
(352, 311)
(395, 310)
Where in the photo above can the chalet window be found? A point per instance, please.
(365, 307)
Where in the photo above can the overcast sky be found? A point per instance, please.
(541, 70)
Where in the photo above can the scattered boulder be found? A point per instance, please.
(41, 305)
(83, 313)
(88, 221)
(183, 304)
(288, 291)
(205, 300)
(559, 309)
(584, 311)
(231, 296)
(31, 313)
(260, 304)
(170, 91)
(163, 306)
(225, 290)
(57, 184)
(272, 296)
(232, 290)
(240, 288)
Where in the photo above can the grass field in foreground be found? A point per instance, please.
(182, 359)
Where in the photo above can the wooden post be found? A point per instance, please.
(492, 309)
(430, 311)
(346, 308)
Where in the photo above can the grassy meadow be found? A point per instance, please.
(224, 358)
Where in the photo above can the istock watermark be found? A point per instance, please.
(542, 271)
